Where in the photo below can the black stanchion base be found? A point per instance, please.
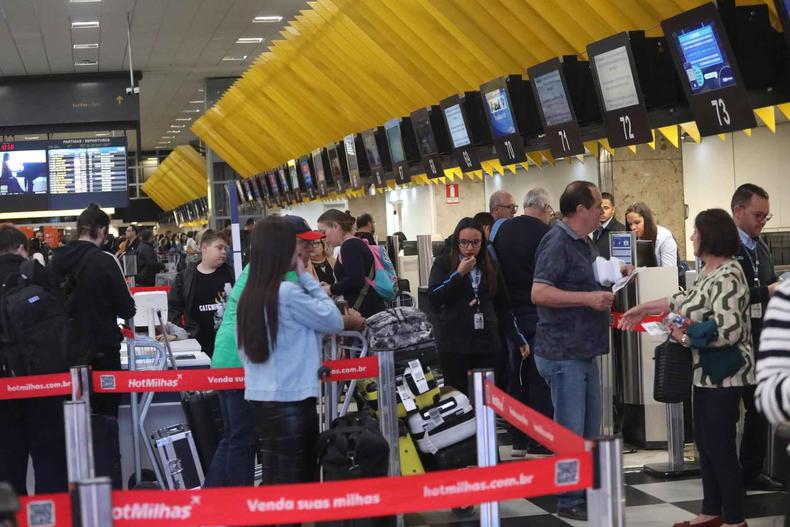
(664, 470)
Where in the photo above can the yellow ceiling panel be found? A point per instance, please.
(344, 66)
(180, 178)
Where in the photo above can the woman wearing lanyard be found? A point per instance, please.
(469, 297)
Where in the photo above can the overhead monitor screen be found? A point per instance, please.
(24, 172)
(247, 185)
(284, 186)
(394, 140)
(318, 163)
(351, 160)
(242, 197)
(705, 62)
(334, 164)
(272, 177)
(459, 135)
(294, 175)
(499, 114)
(616, 78)
(371, 149)
(553, 100)
(307, 176)
(85, 170)
(426, 142)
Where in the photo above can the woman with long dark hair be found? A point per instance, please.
(280, 319)
(467, 291)
(639, 219)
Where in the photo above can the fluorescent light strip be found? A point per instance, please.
(89, 24)
(190, 111)
(235, 58)
(168, 137)
(47, 213)
(249, 40)
(86, 62)
(30, 138)
(197, 102)
(103, 134)
(84, 1)
(183, 118)
(94, 45)
(265, 19)
(178, 126)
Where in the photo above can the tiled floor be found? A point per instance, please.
(650, 502)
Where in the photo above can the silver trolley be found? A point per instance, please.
(344, 345)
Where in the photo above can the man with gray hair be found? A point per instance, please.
(501, 205)
(516, 244)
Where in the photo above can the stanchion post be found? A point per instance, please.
(79, 444)
(486, 439)
(388, 412)
(131, 359)
(606, 500)
(93, 501)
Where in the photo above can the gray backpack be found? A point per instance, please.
(399, 329)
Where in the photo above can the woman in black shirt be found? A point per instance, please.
(354, 266)
(323, 264)
(468, 294)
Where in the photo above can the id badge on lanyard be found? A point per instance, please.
(755, 310)
(479, 320)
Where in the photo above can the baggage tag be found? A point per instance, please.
(405, 398)
(436, 419)
(479, 321)
(419, 377)
(756, 310)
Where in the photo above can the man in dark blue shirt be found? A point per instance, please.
(515, 244)
(573, 315)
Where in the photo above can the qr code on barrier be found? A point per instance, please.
(41, 514)
(566, 472)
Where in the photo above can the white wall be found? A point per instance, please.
(552, 178)
(312, 210)
(713, 169)
(418, 215)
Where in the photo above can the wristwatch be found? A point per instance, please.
(685, 341)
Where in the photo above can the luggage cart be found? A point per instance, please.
(144, 353)
(344, 345)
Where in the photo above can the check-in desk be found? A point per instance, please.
(166, 407)
(644, 421)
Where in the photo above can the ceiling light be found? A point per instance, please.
(249, 40)
(102, 134)
(86, 62)
(168, 137)
(264, 19)
(83, 1)
(197, 102)
(95, 45)
(183, 118)
(190, 111)
(178, 126)
(30, 138)
(88, 24)
(234, 58)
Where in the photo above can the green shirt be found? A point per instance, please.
(226, 350)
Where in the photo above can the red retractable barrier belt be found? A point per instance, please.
(148, 289)
(168, 380)
(330, 501)
(35, 386)
(348, 369)
(615, 318)
(536, 425)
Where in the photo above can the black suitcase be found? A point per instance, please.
(204, 419)
(460, 455)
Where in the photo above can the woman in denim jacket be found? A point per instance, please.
(279, 334)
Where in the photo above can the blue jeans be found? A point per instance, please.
(234, 461)
(576, 393)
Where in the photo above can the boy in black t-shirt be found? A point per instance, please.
(197, 299)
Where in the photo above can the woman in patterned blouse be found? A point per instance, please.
(720, 295)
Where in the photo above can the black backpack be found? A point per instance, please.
(33, 326)
(353, 448)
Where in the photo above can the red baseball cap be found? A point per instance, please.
(302, 229)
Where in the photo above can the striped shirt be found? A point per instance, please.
(722, 296)
(773, 367)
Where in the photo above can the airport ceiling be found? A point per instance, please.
(177, 44)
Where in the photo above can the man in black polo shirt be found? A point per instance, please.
(516, 244)
(573, 321)
(751, 211)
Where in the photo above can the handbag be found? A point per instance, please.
(674, 373)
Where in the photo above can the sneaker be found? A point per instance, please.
(578, 512)
(539, 450)
(518, 452)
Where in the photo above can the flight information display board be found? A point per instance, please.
(508, 142)
(455, 119)
(706, 64)
(555, 109)
(617, 83)
(373, 157)
(84, 170)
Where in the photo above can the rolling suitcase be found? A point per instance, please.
(178, 457)
(416, 389)
(204, 419)
(459, 455)
(449, 421)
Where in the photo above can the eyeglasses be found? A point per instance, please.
(759, 217)
(469, 243)
(512, 208)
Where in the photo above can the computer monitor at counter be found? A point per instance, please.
(645, 254)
